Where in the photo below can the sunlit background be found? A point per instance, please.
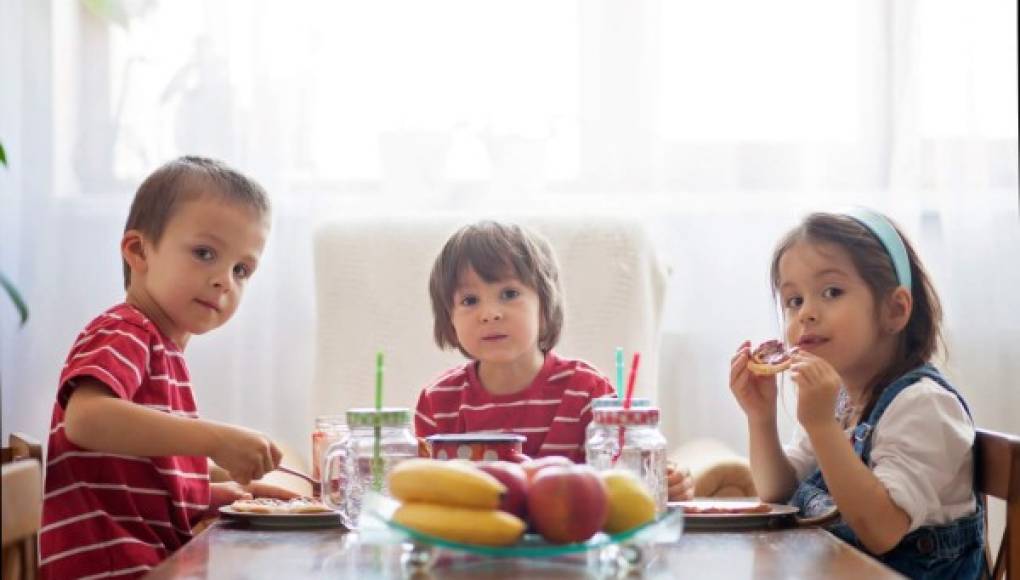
(717, 123)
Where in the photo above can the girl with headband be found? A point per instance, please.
(885, 449)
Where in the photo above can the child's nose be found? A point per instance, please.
(808, 313)
(492, 315)
(222, 281)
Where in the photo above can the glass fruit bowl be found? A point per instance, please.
(624, 549)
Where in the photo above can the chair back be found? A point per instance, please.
(372, 275)
(22, 507)
(998, 475)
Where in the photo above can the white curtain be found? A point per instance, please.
(719, 123)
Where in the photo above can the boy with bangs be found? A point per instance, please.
(496, 297)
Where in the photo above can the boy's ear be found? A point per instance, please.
(898, 308)
(132, 249)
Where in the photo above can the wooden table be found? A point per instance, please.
(230, 550)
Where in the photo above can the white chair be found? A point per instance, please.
(372, 294)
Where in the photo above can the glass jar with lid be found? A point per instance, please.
(329, 429)
(630, 439)
(610, 402)
(378, 441)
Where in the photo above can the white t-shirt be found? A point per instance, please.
(922, 451)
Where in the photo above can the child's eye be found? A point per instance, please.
(242, 271)
(510, 294)
(203, 253)
(793, 302)
(832, 292)
(468, 300)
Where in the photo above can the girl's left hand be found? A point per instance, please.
(818, 387)
(679, 483)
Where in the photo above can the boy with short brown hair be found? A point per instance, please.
(127, 475)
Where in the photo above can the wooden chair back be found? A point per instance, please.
(998, 475)
(22, 507)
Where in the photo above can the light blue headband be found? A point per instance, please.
(891, 240)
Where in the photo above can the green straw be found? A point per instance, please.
(619, 372)
(378, 380)
(376, 459)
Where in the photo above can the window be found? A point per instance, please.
(348, 90)
(481, 97)
(778, 71)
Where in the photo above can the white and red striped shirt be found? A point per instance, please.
(107, 515)
(552, 412)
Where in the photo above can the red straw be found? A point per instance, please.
(626, 402)
(630, 380)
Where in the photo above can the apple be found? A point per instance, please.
(513, 476)
(567, 504)
(535, 465)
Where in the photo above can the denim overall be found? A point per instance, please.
(953, 550)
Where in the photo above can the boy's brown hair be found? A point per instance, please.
(186, 179)
(496, 252)
(921, 339)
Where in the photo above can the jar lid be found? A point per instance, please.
(621, 416)
(330, 420)
(603, 402)
(386, 417)
(479, 437)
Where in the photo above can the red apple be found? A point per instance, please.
(535, 465)
(512, 475)
(567, 504)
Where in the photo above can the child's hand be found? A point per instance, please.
(817, 389)
(246, 455)
(226, 493)
(263, 489)
(679, 483)
(756, 395)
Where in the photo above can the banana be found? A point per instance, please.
(450, 483)
(488, 527)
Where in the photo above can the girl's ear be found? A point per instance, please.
(898, 308)
(132, 249)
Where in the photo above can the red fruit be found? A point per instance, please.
(512, 475)
(535, 465)
(567, 504)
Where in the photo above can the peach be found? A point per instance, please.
(535, 465)
(567, 504)
(512, 475)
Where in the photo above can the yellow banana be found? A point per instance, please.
(451, 483)
(488, 527)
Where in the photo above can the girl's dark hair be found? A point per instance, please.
(922, 337)
(186, 179)
(496, 251)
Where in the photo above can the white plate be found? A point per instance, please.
(310, 520)
(779, 516)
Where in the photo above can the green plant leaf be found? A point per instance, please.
(109, 10)
(3, 155)
(19, 303)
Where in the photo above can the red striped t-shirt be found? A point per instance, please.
(107, 515)
(552, 412)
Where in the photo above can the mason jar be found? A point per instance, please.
(630, 439)
(610, 402)
(329, 429)
(378, 441)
